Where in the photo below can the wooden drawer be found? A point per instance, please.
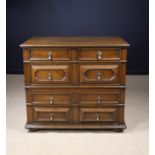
(99, 98)
(50, 74)
(99, 54)
(51, 99)
(48, 114)
(50, 54)
(98, 114)
(99, 73)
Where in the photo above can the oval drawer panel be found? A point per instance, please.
(51, 99)
(48, 114)
(99, 54)
(50, 54)
(98, 114)
(47, 74)
(98, 74)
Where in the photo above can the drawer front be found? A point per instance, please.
(98, 99)
(98, 114)
(51, 99)
(99, 54)
(48, 114)
(99, 73)
(50, 74)
(49, 54)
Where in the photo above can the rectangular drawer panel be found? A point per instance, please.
(50, 54)
(99, 98)
(50, 74)
(98, 114)
(52, 99)
(48, 114)
(99, 73)
(92, 54)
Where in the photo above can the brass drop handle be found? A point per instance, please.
(98, 100)
(98, 75)
(97, 117)
(52, 117)
(49, 76)
(99, 55)
(51, 99)
(50, 57)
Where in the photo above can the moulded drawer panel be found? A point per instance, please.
(50, 74)
(48, 114)
(51, 99)
(99, 54)
(98, 114)
(50, 54)
(99, 73)
(99, 98)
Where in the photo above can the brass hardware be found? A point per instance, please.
(98, 100)
(97, 117)
(49, 76)
(99, 54)
(98, 75)
(52, 118)
(50, 57)
(51, 99)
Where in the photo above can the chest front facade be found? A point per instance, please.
(75, 87)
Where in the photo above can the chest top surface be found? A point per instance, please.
(75, 42)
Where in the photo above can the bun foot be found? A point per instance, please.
(118, 130)
(32, 130)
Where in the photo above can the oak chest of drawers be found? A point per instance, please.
(75, 82)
